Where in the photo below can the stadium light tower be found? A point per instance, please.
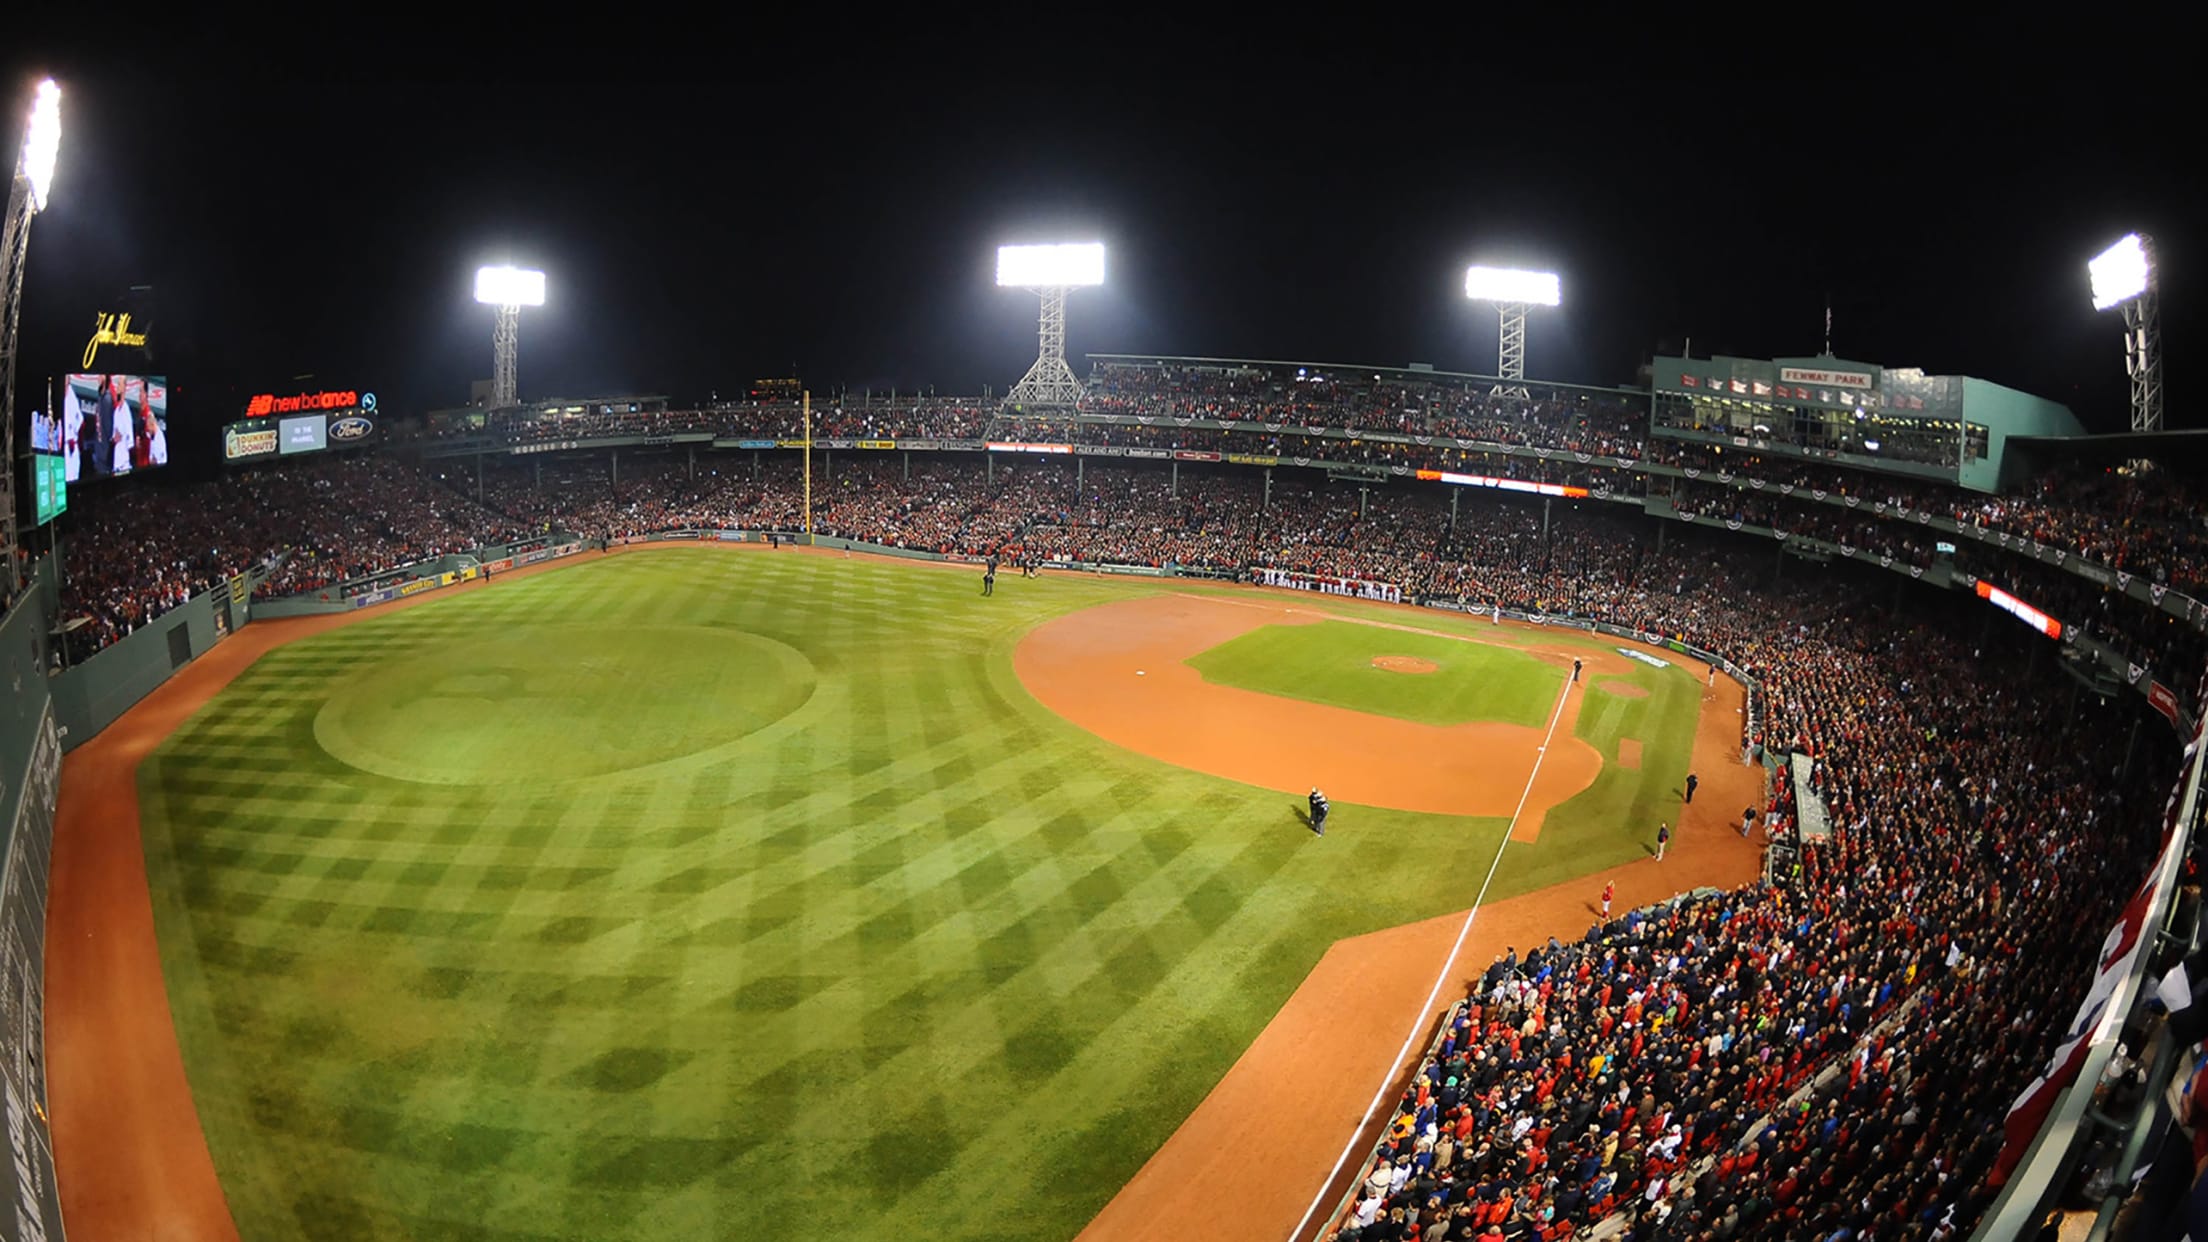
(2123, 275)
(1511, 291)
(1053, 272)
(27, 190)
(508, 289)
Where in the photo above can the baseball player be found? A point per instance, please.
(1318, 811)
(1609, 890)
(1663, 838)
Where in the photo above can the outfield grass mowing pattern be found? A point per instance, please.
(912, 958)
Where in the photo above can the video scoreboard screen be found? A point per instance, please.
(112, 425)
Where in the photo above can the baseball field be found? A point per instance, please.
(692, 893)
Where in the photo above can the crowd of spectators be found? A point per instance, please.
(130, 555)
(1574, 420)
(866, 419)
(1665, 1067)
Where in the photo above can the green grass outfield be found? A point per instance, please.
(692, 894)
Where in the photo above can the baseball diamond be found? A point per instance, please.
(612, 893)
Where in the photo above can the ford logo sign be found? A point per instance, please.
(350, 428)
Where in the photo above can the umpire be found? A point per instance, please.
(1318, 811)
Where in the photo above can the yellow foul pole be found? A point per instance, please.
(808, 405)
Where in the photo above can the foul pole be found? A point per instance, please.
(807, 405)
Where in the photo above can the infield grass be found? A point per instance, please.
(692, 893)
(1331, 662)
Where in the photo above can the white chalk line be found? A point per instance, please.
(1418, 1021)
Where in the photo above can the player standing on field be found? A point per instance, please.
(1318, 811)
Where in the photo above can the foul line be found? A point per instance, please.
(1418, 1022)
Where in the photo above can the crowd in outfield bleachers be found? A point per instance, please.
(1657, 1070)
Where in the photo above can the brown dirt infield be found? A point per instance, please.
(1249, 1161)
(1084, 667)
(133, 1163)
(1404, 664)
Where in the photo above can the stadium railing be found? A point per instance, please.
(2073, 1121)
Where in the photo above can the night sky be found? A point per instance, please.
(700, 231)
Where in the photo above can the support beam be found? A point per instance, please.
(1510, 352)
(908, 465)
(1267, 504)
(1049, 383)
(505, 350)
(1454, 492)
(1176, 478)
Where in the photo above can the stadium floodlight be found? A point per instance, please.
(2119, 273)
(1512, 290)
(2123, 276)
(509, 286)
(1502, 284)
(27, 190)
(508, 289)
(1070, 266)
(42, 142)
(1051, 271)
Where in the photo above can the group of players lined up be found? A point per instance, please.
(133, 554)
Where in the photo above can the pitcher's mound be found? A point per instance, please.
(1404, 664)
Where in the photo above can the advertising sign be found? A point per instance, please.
(269, 403)
(303, 435)
(2019, 609)
(249, 439)
(109, 328)
(351, 427)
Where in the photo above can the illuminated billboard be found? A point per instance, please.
(1507, 485)
(307, 433)
(307, 422)
(255, 437)
(2019, 609)
(113, 425)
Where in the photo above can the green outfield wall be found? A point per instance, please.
(30, 778)
(89, 696)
